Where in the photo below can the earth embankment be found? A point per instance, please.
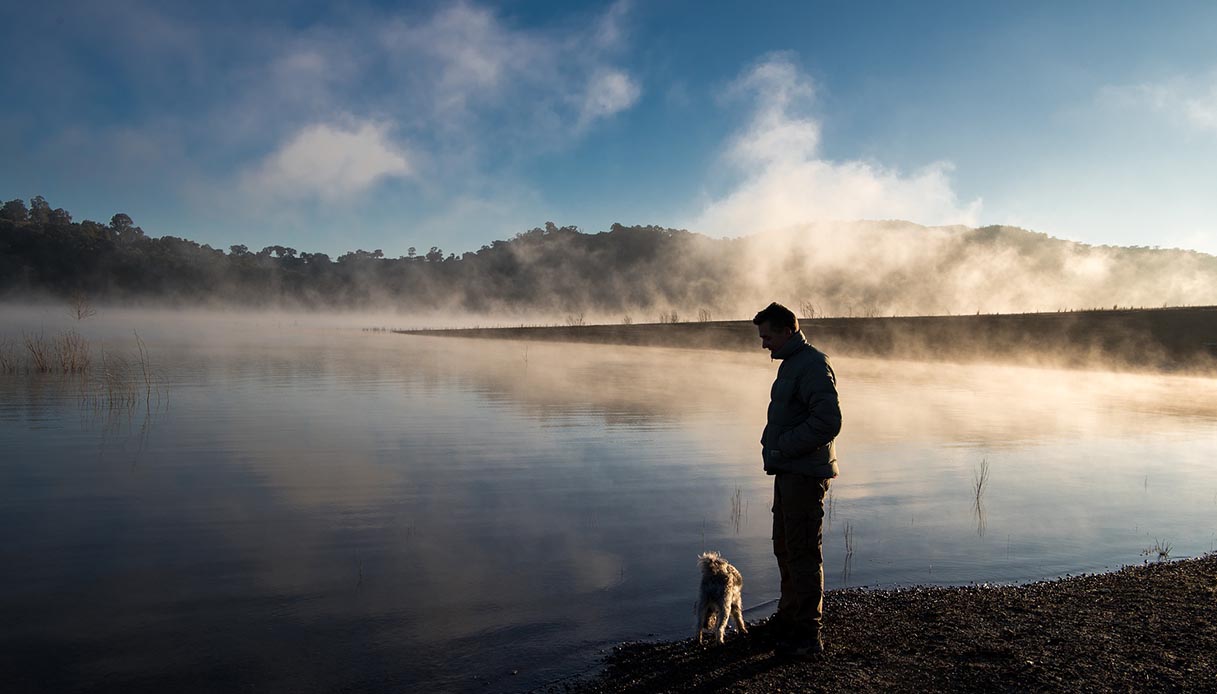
(1168, 339)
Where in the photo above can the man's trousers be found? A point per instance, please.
(798, 542)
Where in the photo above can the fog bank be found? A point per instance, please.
(635, 274)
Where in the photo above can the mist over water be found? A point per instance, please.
(636, 274)
(316, 507)
(900, 268)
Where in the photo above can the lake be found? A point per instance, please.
(300, 505)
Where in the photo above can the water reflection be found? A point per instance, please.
(847, 564)
(980, 486)
(443, 512)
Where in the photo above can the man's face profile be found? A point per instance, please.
(771, 339)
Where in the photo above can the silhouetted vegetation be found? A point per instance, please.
(862, 269)
(43, 252)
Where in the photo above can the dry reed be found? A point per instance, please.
(739, 509)
(72, 352)
(980, 482)
(123, 382)
(1161, 548)
(8, 360)
(120, 382)
(67, 353)
(980, 479)
(40, 351)
(116, 387)
(143, 367)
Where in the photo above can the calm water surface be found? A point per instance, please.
(318, 510)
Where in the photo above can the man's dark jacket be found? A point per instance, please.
(804, 414)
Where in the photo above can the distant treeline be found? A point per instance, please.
(42, 251)
(847, 269)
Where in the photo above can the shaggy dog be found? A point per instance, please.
(720, 597)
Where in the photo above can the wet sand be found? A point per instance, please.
(1150, 627)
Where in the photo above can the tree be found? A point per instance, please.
(361, 255)
(121, 223)
(238, 250)
(125, 229)
(93, 229)
(15, 211)
(278, 252)
(59, 217)
(79, 306)
(807, 309)
(40, 210)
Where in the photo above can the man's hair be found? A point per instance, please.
(777, 316)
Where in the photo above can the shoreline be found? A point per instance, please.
(1181, 339)
(1150, 626)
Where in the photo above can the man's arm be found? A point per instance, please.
(817, 388)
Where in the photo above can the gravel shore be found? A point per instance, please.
(1150, 627)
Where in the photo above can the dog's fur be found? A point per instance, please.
(721, 596)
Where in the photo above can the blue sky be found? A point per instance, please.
(329, 127)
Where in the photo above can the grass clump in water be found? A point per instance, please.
(39, 349)
(1161, 549)
(72, 352)
(8, 359)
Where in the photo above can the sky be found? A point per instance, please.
(328, 127)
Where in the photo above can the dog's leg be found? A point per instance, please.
(724, 615)
(738, 608)
(700, 627)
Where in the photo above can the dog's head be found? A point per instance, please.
(711, 563)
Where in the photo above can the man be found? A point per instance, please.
(798, 450)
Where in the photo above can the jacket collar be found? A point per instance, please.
(796, 342)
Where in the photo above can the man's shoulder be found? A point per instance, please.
(812, 365)
(809, 354)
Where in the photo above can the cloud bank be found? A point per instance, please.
(784, 180)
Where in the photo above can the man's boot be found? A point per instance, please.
(805, 645)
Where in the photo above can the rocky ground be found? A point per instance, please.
(1143, 628)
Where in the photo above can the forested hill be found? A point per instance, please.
(859, 268)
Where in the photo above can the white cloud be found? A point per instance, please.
(786, 182)
(608, 93)
(460, 55)
(1190, 101)
(330, 161)
(354, 98)
(477, 77)
(610, 32)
